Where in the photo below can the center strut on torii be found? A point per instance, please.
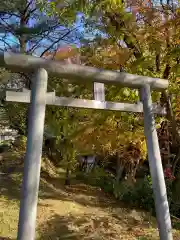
(38, 98)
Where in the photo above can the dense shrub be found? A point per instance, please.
(173, 203)
(98, 177)
(139, 195)
(4, 146)
(20, 144)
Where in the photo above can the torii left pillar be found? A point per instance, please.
(32, 164)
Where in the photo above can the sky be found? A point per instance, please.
(60, 30)
(82, 31)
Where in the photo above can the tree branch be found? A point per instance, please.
(61, 38)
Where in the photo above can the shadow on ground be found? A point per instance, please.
(88, 227)
(76, 228)
(86, 195)
(5, 238)
(57, 228)
(10, 186)
(53, 188)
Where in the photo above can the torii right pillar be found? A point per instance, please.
(156, 169)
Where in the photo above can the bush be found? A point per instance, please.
(20, 144)
(4, 146)
(173, 201)
(141, 195)
(138, 195)
(98, 177)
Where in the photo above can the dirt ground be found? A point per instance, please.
(78, 212)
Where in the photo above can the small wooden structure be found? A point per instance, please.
(87, 162)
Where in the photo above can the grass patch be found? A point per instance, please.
(9, 210)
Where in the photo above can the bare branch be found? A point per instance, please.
(61, 38)
(10, 14)
(7, 26)
(29, 14)
(6, 43)
(24, 11)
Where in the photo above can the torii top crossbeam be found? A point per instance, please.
(79, 73)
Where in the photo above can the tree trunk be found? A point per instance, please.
(120, 169)
(119, 173)
(67, 179)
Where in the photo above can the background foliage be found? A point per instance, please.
(137, 37)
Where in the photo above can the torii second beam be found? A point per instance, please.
(51, 99)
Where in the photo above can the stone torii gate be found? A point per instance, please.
(38, 98)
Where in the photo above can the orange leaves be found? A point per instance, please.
(66, 52)
(109, 56)
(62, 53)
(110, 137)
(177, 108)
